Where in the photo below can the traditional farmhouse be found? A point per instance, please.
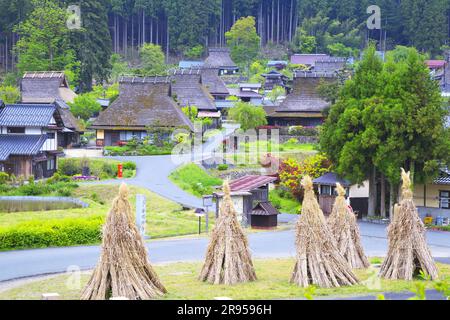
(308, 60)
(29, 139)
(433, 199)
(53, 87)
(274, 78)
(188, 90)
(303, 106)
(248, 92)
(250, 195)
(142, 103)
(219, 58)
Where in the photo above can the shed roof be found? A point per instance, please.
(219, 58)
(264, 209)
(20, 145)
(250, 182)
(435, 64)
(330, 179)
(26, 115)
(307, 59)
(143, 102)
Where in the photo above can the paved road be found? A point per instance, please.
(26, 263)
(153, 171)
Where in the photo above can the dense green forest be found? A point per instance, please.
(185, 28)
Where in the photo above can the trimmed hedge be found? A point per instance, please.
(52, 233)
(102, 168)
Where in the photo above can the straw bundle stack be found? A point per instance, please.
(228, 259)
(343, 225)
(318, 259)
(408, 253)
(123, 269)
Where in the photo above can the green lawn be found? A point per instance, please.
(282, 203)
(182, 283)
(165, 218)
(194, 180)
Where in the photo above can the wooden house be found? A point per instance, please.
(143, 103)
(29, 139)
(273, 79)
(53, 87)
(219, 58)
(248, 92)
(250, 195)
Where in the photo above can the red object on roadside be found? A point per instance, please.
(119, 170)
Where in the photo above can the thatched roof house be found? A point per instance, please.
(142, 103)
(214, 84)
(45, 87)
(219, 58)
(303, 106)
(188, 90)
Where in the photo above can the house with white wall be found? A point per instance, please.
(29, 139)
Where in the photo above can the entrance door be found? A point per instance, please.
(115, 138)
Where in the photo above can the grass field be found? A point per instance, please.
(273, 275)
(165, 218)
(194, 180)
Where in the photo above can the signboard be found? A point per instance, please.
(141, 217)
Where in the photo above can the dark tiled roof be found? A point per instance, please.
(219, 58)
(212, 81)
(26, 115)
(250, 182)
(444, 178)
(304, 97)
(141, 103)
(330, 179)
(264, 209)
(244, 94)
(67, 117)
(20, 145)
(189, 91)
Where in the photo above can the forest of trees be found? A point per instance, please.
(186, 28)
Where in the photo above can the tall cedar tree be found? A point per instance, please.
(93, 43)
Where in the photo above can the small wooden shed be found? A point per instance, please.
(326, 185)
(264, 216)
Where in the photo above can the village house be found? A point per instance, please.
(219, 58)
(250, 195)
(187, 64)
(248, 92)
(143, 103)
(29, 139)
(274, 78)
(53, 87)
(433, 199)
(188, 90)
(214, 84)
(308, 60)
(277, 64)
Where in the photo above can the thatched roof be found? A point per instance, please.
(304, 96)
(45, 87)
(219, 58)
(67, 117)
(212, 81)
(143, 102)
(188, 90)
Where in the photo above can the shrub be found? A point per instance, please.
(51, 233)
(303, 131)
(222, 167)
(129, 165)
(69, 167)
(4, 177)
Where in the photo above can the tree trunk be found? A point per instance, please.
(391, 200)
(383, 196)
(412, 169)
(372, 192)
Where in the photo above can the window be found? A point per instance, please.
(444, 199)
(325, 190)
(50, 135)
(50, 164)
(16, 130)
